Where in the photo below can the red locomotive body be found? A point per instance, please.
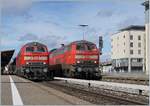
(79, 59)
(32, 61)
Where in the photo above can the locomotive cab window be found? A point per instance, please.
(80, 46)
(91, 46)
(30, 49)
(40, 49)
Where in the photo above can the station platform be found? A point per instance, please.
(123, 87)
(19, 91)
(127, 75)
(131, 78)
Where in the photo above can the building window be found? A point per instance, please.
(124, 51)
(131, 44)
(139, 37)
(131, 51)
(131, 37)
(139, 44)
(118, 38)
(124, 36)
(133, 60)
(139, 51)
(139, 60)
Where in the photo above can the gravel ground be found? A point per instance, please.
(97, 95)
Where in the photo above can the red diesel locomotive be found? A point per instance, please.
(79, 59)
(32, 62)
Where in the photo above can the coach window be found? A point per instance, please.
(65, 49)
(54, 53)
(69, 48)
(29, 49)
(80, 46)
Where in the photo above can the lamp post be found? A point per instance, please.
(83, 26)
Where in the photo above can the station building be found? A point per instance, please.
(127, 49)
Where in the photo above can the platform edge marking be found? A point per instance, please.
(16, 98)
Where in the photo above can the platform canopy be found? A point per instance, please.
(6, 57)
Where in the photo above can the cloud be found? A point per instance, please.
(51, 41)
(27, 37)
(105, 13)
(131, 20)
(15, 6)
(54, 24)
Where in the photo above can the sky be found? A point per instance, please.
(53, 22)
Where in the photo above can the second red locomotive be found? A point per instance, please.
(79, 59)
(32, 62)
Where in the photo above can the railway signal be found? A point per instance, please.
(100, 44)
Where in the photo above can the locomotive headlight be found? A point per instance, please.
(27, 70)
(44, 62)
(97, 69)
(45, 70)
(78, 61)
(95, 62)
(79, 69)
(27, 63)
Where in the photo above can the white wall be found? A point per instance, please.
(118, 46)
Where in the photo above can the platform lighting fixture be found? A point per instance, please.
(83, 26)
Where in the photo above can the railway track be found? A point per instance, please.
(127, 80)
(98, 96)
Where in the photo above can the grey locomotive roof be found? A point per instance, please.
(133, 27)
(52, 50)
(76, 42)
(34, 43)
(81, 41)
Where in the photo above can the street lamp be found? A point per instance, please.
(83, 26)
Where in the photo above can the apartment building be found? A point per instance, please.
(147, 43)
(127, 51)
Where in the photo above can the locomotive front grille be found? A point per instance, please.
(36, 63)
(88, 62)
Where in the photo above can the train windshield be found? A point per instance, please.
(91, 46)
(85, 46)
(81, 46)
(30, 49)
(40, 49)
(35, 49)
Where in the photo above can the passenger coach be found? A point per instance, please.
(32, 62)
(79, 59)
